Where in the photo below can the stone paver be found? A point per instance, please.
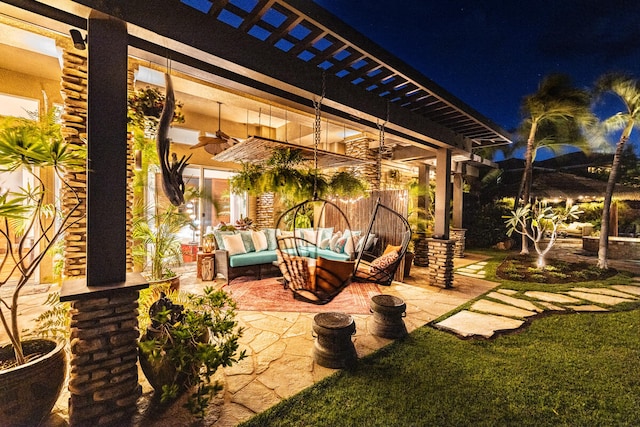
(500, 309)
(551, 297)
(629, 289)
(606, 291)
(598, 298)
(521, 303)
(467, 324)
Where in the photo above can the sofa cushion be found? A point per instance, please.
(252, 258)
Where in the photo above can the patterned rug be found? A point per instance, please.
(269, 295)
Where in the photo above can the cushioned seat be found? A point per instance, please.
(252, 258)
(314, 252)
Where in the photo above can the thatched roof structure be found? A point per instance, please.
(562, 185)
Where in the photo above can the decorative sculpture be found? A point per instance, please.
(172, 182)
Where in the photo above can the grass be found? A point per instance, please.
(577, 369)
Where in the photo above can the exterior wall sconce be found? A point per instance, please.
(79, 42)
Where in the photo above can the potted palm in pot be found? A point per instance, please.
(31, 371)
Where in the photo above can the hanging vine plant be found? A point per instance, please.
(346, 184)
(285, 175)
(145, 106)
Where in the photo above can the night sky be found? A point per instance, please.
(491, 53)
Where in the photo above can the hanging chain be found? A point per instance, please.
(381, 145)
(317, 134)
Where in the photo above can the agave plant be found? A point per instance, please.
(30, 212)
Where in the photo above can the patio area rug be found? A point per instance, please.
(269, 295)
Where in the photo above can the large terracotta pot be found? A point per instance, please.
(28, 392)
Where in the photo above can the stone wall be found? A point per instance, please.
(619, 247)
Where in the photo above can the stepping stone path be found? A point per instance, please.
(507, 309)
(473, 270)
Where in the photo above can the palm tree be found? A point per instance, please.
(554, 117)
(628, 90)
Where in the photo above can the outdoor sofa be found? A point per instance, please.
(253, 253)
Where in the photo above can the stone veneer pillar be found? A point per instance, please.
(458, 234)
(421, 251)
(359, 148)
(74, 130)
(264, 211)
(103, 381)
(440, 270)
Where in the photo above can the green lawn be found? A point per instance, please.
(575, 369)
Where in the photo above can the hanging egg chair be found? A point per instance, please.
(383, 249)
(316, 259)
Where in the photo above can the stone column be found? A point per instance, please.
(103, 381)
(74, 131)
(458, 235)
(265, 211)
(104, 330)
(359, 148)
(421, 250)
(440, 271)
(443, 194)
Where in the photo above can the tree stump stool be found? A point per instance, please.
(333, 347)
(388, 312)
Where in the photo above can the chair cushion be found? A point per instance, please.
(331, 275)
(391, 248)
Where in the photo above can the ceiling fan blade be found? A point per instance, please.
(216, 148)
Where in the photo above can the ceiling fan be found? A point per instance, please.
(215, 144)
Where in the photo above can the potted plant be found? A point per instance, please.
(31, 371)
(185, 343)
(157, 246)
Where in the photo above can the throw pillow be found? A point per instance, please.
(325, 233)
(334, 239)
(247, 240)
(233, 243)
(324, 244)
(272, 244)
(217, 234)
(383, 262)
(340, 244)
(259, 240)
(333, 275)
(311, 237)
(365, 243)
(391, 248)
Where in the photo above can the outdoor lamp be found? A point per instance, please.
(79, 42)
